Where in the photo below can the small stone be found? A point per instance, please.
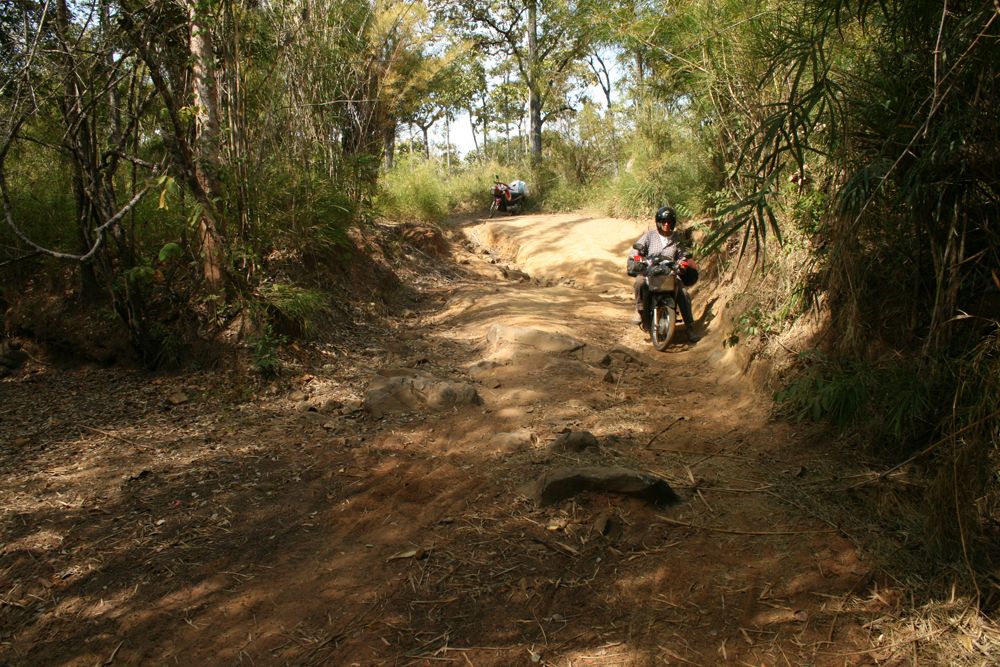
(326, 404)
(303, 406)
(574, 441)
(178, 398)
(351, 405)
(298, 396)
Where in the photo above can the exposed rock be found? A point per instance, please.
(298, 396)
(500, 336)
(483, 368)
(564, 483)
(303, 406)
(178, 398)
(511, 442)
(403, 393)
(572, 368)
(574, 441)
(621, 355)
(591, 355)
(325, 404)
(352, 405)
(514, 274)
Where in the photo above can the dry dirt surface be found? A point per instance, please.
(185, 519)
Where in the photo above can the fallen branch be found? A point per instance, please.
(923, 452)
(20, 259)
(668, 427)
(730, 531)
(99, 232)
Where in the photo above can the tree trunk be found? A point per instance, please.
(206, 106)
(447, 141)
(390, 144)
(534, 85)
(81, 143)
(472, 124)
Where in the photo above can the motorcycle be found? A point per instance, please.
(507, 198)
(660, 297)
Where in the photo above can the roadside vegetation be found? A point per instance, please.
(187, 175)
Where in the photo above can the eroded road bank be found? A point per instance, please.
(300, 529)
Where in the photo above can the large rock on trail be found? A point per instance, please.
(412, 392)
(502, 337)
(564, 483)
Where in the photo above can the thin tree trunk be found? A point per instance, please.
(447, 142)
(472, 124)
(206, 105)
(390, 145)
(78, 136)
(534, 84)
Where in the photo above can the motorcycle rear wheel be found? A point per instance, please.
(663, 325)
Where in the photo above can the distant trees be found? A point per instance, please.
(542, 38)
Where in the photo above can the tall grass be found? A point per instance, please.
(425, 191)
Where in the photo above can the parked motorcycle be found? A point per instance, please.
(508, 198)
(661, 297)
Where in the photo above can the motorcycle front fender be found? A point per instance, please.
(664, 300)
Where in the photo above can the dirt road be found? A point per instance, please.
(178, 521)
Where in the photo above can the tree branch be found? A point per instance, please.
(9, 217)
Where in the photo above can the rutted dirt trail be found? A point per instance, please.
(301, 528)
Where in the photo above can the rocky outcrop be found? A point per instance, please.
(564, 483)
(414, 391)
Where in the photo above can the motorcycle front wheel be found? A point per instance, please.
(662, 328)
(494, 207)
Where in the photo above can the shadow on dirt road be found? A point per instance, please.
(261, 531)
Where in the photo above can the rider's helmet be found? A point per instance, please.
(666, 220)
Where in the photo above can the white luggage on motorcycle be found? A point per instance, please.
(519, 187)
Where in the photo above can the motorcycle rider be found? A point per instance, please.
(663, 242)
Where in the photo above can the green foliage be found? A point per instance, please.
(264, 349)
(837, 393)
(414, 190)
(808, 211)
(893, 402)
(754, 322)
(419, 189)
(298, 307)
(170, 252)
(41, 199)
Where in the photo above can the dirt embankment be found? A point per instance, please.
(374, 507)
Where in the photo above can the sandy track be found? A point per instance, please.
(226, 531)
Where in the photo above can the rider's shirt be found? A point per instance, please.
(653, 244)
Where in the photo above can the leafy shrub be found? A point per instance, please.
(894, 401)
(297, 308)
(265, 352)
